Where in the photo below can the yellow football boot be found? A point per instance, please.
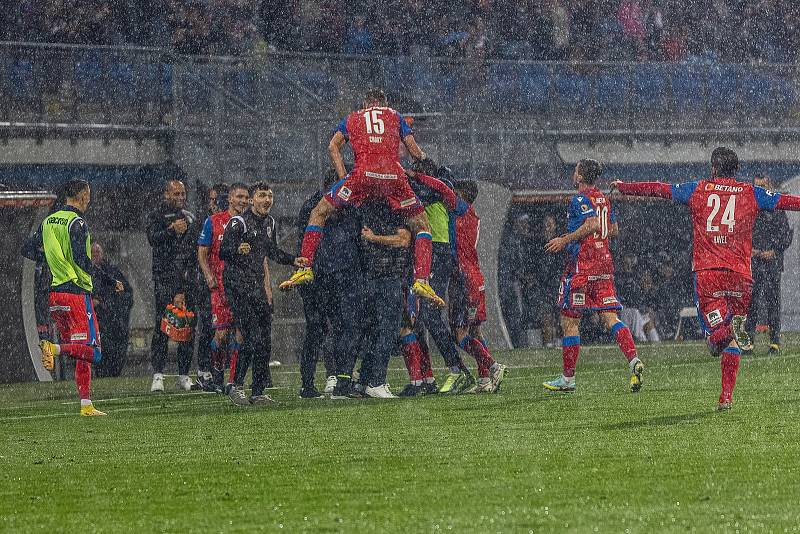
(423, 289)
(90, 411)
(49, 351)
(300, 277)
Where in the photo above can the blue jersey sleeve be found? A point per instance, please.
(343, 128)
(581, 208)
(461, 207)
(766, 199)
(612, 217)
(683, 192)
(205, 238)
(405, 129)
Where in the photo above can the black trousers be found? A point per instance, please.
(430, 315)
(114, 334)
(385, 313)
(165, 292)
(315, 306)
(253, 315)
(203, 332)
(766, 292)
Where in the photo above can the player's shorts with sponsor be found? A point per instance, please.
(580, 293)
(75, 320)
(467, 301)
(719, 294)
(221, 314)
(391, 187)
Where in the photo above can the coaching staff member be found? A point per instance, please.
(249, 239)
(771, 237)
(172, 233)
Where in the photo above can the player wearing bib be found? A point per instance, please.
(375, 134)
(208, 245)
(65, 241)
(723, 211)
(588, 281)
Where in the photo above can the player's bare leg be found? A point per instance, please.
(624, 339)
(311, 239)
(423, 252)
(570, 349)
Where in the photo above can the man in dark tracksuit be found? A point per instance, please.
(333, 302)
(172, 233)
(771, 237)
(249, 239)
(386, 262)
(113, 300)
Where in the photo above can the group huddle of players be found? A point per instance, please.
(723, 210)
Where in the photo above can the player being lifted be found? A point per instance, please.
(375, 133)
(588, 281)
(723, 211)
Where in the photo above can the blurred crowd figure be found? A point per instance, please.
(592, 30)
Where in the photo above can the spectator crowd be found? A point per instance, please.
(592, 30)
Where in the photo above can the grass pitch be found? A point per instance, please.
(521, 460)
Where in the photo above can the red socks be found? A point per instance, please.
(311, 239)
(729, 362)
(570, 348)
(412, 355)
(482, 357)
(721, 337)
(423, 252)
(83, 378)
(233, 352)
(624, 339)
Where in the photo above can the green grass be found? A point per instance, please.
(522, 460)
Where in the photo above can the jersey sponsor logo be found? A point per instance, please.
(714, 318)
(736, 294)
(380, 176)
(408, 202)
(79, 337)
(578, 299)
(724, 188)
(609, 300)
(57, 220)
(344, 193)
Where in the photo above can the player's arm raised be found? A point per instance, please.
(643, 189)
(335, 152)
(589, 226)
(413, 148)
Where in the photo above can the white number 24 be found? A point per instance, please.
(728, 216)
(374, 121)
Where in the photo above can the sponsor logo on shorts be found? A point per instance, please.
(736, 294)
(609, 300)
(78, 337)
(60, 308)
(578, 299)
(408, 202)
(714, 318)
(472, 313)
(595, 277)
(344, 193)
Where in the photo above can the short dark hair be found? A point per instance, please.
(468, 189)
(259, 186)
(167, 182)
(725, 161)
(375, 96)
(590, 169)
(220, 188)
(73, 188)
(330, 178)
(239, 185)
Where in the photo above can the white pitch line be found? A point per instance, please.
(133, 409)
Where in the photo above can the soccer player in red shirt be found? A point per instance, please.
(588, 281)
(470, 309)
(212, 266)
(375, 133)
(723, 211)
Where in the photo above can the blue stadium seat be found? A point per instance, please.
(612, 91)
(88, 76)
(534, 88)
(318, 82)
(687, 89)
(166, 81)
(245, 85)
(784, 96)
(649, 87)
(755, 92)
(722, 83)
(573, 91)
(122, 83)
(22, 85)
(503, 81)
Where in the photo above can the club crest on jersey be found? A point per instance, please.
(578, 299)
(344, 193)
(714, 318)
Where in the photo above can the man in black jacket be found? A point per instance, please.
(172, 233)
(771, 237)
(113, 300)
(249, 239)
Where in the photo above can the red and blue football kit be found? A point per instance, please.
(588, 281)
(375, 135)
(211, 237)
(473, 303)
